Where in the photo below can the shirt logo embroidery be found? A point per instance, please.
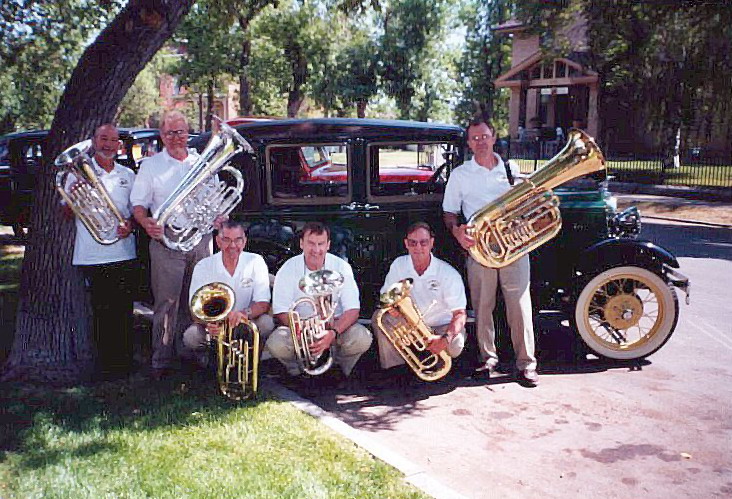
(123, 182)
(246, 282)
(433, 285)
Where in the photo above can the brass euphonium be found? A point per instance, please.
(86, 196)
(237, 361)
(409, 334)
(528, 216)
(320, 287)
(190, 210)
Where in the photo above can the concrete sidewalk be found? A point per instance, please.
(676, 209)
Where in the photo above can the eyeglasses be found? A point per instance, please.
(413, 243)
(176, 133)
(476, 138)
(225, 241)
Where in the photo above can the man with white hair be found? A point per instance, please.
(170, 270)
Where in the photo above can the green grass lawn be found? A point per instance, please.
(176, 438)
(171, 439)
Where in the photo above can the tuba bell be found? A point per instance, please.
(190, 210)
(528, 216)
(87, 197)
(410, 336)
(237, 361)
(320, 287)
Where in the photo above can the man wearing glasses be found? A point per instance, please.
(170, 270)
(437, 291)
(109, 269)
(246, 273)
(471, 186)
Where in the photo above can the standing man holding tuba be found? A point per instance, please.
(437, 291)
(109, 269)
(245, 273)
(170, 270)
(343, 334)
(470, 187)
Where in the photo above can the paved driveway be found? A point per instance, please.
(659, 428)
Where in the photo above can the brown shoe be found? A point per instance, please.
(530, 377)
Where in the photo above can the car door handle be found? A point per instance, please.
(358, 206)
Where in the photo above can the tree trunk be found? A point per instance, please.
(52, 340)
(299, 71)
(245, 97)
(361, 108)
(209, 104)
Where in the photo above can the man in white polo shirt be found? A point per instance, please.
(170, 270)
(470, 187)
(348, 338)
(110, 269)
(246, 273)
(437, 291)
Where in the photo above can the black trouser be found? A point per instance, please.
(112, 286)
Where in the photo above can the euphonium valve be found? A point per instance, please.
(528, 215)
(237, 361)
(409, 334)
(86, 196)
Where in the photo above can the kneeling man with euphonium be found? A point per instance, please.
(243, 273)
(316, 301)
(421, 321)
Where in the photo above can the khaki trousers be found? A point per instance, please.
(390, 357)
(170, 276)
(195, 347)
(347, 349)
(514, 280)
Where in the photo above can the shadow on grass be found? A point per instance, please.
(28, 412)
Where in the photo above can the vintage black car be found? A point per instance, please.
(378, 176)
(21, 157)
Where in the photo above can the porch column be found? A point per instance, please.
(514, 110)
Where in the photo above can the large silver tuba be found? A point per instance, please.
(307, 328)
(528, 216)
(86, 196)
(189, 212)
(409, 334)
(237, 361)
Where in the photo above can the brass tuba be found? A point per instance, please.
(528, 216)
(87, 196)
(319, 286)
(237, 362)
(189, 212)
(411, 335)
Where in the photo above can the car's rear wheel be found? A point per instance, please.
(626, 313)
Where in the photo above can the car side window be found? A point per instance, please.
(409, 169)
(304, 172)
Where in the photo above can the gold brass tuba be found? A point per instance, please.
(319, 286)
(87, 196)
(189, 212)
(528, 216)
(411, 335)
(237, 362)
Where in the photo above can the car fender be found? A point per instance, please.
(624, 251)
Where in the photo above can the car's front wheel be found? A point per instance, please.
(626, 313)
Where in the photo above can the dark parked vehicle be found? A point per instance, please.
(21, 157)
(616, 290)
